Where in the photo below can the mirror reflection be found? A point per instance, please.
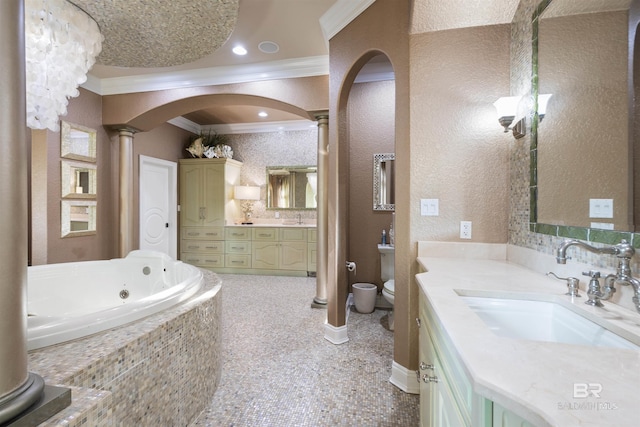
(384, 182)
(77, 142)
(583, 162)
(292, 187)
(78, 180)
(78, 218)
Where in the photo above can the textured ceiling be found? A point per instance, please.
(160, 33)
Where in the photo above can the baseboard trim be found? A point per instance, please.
(404, 379)
(335, 335)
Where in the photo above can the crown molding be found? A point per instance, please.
(185, 124)
(289, 68)
(262, 127)
(341, 14)
(238, 128)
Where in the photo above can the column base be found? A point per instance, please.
(33, 403)
(319, 303)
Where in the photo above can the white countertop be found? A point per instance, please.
(534, 379)
(274, 225)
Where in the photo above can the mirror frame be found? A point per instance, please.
(311, 168)
(67, 146)
(609, 237)
(66, 170)
(65, 215)
(377, 182)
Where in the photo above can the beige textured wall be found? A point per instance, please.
(459, 154)
(371, 127)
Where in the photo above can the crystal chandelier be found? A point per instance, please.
(61, 44)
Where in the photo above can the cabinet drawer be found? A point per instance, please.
(237, 233)
(237, 261)
(293, 234)
(203, 260)
(210, 233)
(212, 246)
(240, 247)
(265, 234)
(312, 234)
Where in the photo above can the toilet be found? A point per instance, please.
(387, 260)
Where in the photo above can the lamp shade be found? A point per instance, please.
(247, 192)
(543, 100)
(507, 106)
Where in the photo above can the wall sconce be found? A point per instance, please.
(543, 100)
(247, 193)
(507, 109)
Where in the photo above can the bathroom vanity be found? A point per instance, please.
(471, 374)
(271, 249)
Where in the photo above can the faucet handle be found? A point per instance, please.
(594, 274)
(573, 284)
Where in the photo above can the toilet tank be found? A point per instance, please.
(387, 260)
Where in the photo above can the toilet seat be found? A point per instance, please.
(389, 286)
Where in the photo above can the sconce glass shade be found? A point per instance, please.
(543, 100)
(507, 107)
(246, 192)
(61, 44)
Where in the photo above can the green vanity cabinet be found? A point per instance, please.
(280, 248)
(447, 398)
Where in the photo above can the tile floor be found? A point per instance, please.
(278, 370)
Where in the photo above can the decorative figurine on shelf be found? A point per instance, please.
(197, 148)
(210, 145)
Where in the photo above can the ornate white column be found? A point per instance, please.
(320, 300)
(18, 388)
(127, 202)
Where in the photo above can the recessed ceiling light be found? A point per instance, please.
(239, 50)
(262, 114)
(268, 47)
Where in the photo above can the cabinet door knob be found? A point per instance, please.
(424, 366)
(418, 321)
(427, 379)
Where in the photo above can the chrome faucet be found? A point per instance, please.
(623, 251)
(299, 218)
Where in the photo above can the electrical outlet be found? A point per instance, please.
(465, 229)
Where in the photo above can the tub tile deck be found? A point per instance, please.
(278, 370)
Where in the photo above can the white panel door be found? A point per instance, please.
(158, 205)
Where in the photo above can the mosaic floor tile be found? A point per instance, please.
(278, 370)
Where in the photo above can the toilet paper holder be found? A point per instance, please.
(351, 266)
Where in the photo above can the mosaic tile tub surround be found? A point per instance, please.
(162, 370)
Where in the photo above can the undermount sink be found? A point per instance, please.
(542, 321)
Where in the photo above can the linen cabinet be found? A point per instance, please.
(206, 185)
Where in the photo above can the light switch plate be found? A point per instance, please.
(600, 208)
(429, 207)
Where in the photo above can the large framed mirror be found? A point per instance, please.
(77, 142)
(582, 168)
(292, 187)
(384, 182)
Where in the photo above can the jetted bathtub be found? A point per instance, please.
(72, 300)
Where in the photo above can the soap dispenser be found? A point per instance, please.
(384, 237)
